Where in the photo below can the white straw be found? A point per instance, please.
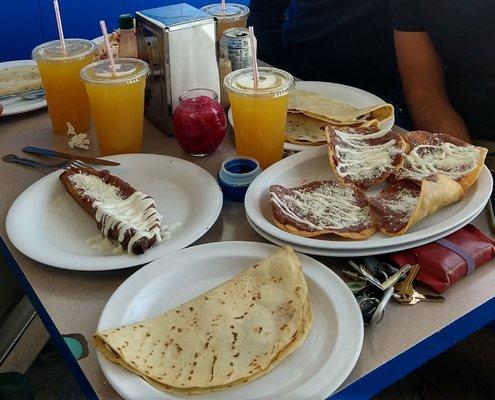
(252, 42)
(109, 48)
(59, 26)
(222, 7)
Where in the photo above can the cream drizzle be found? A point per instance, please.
(447, 159)
(166, 230)
(361, 161)
(107, 245)
(104, 244)
(137, 212)
(361, 136)
(330, 207)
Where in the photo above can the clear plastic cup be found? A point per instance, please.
(260, 114)
(65, 94)
(234, 16)
(117, 103)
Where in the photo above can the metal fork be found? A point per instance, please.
(29, 162)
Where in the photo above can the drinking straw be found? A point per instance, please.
(59, 26)
(252, 42)
(103, 27)
(222, 7)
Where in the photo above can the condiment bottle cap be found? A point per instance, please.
(235, 176)
(126, 21)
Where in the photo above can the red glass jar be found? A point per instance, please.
(199, 122)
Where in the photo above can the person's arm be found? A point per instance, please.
(423, 80)
(268, 18)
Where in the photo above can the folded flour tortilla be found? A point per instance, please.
(336, 112)
(429, 154)
(302, 129)
(19, 79)
(404, 203)
(223, 338)
(364, 156)
(320, 208)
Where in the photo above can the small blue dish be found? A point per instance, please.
(235, 176)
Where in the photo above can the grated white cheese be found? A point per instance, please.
(405, 203)
(94, 187)
(326, 207)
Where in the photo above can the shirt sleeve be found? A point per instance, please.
(406, 15)
(268, 18)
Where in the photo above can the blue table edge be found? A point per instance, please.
(59, 342)
(411, 359)
(363, 388)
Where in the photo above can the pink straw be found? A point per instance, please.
(59, 26)
(109, 49)
(252, 42)
(222, 7)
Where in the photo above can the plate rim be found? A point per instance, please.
(34, 106)
(311, 263)
(316, 251)
(86, 263)
(258, 185)
(300, 147)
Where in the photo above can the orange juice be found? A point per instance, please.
(233, 16)
(260, 114)
(117, 103)
(65, 94)
(259, 126)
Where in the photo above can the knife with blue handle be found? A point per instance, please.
(52, 153)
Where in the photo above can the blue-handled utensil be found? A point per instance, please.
(28, 162)
(52, 153)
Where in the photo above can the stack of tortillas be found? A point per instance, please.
(309, 112)
(223, 338)
(19, 79)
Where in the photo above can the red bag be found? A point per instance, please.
(445, 261)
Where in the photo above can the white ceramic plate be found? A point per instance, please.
(313, 371)
(365, 252)
(348, 94)
(313, 165)
(18, 105)
(46, 224)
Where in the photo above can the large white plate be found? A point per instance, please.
(348, 94)
(365, 252)
(313, 371)
(17, 105)
(313, 165)
(46, 224)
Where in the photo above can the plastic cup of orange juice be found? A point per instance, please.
(117, 103)
(260, 114)
(233, 16)
(65, 94)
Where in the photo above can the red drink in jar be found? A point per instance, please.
(199, 122)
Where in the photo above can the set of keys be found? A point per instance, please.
(374, 283)
(405, 293)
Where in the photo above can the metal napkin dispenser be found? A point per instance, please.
(178, 43)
